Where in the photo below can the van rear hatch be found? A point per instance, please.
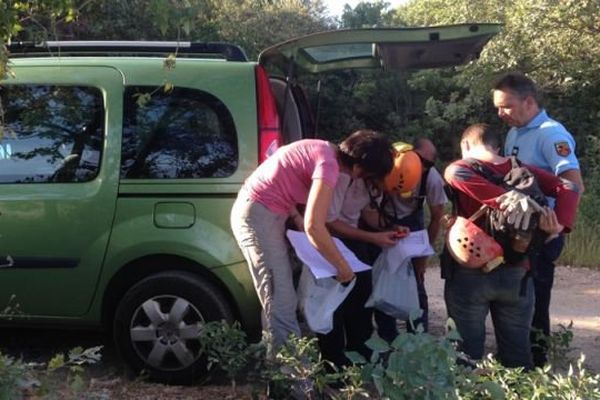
(382, 48)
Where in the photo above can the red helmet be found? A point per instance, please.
(405, 174)
(472, 247)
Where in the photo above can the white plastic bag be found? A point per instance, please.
(394, 287)
(319, 298)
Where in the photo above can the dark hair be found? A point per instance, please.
(519, 84)
(369, 150)
(483, 133)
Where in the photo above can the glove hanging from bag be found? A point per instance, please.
(517, 208)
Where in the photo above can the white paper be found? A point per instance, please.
(416, 244)
(319, 266)
(416, 238)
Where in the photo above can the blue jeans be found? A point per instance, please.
(543, 279)
(471, 294)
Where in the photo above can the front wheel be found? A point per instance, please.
(157, 325)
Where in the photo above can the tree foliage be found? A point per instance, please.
(253, 24)
(256, 25)
(31, 18)
(141, 20)
(366, 15)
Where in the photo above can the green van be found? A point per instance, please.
(115, 189)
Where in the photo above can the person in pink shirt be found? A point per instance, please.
(303, 172)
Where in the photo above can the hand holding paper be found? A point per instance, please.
(319, 266)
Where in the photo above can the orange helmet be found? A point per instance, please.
(472, 247)
(405, 174)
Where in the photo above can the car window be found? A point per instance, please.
(50, 133)
(185, 133)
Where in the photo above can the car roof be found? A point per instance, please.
(226, 51)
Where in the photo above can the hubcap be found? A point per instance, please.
(165, 331)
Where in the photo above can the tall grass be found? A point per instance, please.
(582, 247)
(583, 244)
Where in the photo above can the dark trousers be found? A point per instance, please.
(352, 321)
(543, 279)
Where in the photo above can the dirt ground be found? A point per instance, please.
(576, 297)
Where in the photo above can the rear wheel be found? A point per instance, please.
(158, 322)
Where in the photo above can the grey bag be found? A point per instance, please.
(319, 298)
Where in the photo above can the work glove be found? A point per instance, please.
(517, 208)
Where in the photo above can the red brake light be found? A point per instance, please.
(269, 129)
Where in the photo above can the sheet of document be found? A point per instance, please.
(319, 266)
(419, 239)
(416, 244)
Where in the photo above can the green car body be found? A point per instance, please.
(108, 223)
(77, 248)
(111, 219)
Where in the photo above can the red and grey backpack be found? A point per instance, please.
(516, 243)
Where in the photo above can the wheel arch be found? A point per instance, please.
(136, 270)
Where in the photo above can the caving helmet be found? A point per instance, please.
(472, 247)
(406, 172)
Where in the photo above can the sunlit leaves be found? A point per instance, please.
(256, 25)
(141, 99)
(170, 61)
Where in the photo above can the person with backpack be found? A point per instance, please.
(406, 209)
(537, 140)
(486, 258)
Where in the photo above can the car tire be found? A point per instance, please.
(157, 323)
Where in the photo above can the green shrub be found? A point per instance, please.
(226, 346)
(25, 380)
(74, 363)
(15, 377)
(298, 368)
(424, 367)
(412, 367)
(493, 381)
(559, 346)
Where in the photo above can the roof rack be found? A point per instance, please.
(228, 51)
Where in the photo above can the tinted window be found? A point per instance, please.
(185, 133)
(50, 133)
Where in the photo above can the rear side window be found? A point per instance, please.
(50, 133)
(185, 133)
